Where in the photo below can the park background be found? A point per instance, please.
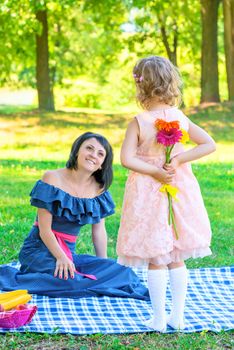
(66, 68)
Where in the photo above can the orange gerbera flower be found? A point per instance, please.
(167, 126)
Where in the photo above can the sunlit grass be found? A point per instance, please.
(35, 135)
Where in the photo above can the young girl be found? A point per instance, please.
(68, 199)
(145, 237)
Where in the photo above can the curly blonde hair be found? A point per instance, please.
(156, 76)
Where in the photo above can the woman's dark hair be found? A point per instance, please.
(103, 176)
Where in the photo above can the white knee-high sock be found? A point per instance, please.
(157, 284)
(178, 281)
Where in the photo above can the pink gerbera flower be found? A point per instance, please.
(169, 138)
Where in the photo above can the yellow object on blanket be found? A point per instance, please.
(12, 294)
(10, 300)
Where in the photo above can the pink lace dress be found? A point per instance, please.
(144, 234)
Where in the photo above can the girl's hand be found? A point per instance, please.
(173, 165)
(63, 266)
(165, 176)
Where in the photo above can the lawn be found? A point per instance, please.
(32, 142)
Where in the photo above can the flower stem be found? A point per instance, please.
(169, 209)
(174, 225)
(171, 217)
(168, 153)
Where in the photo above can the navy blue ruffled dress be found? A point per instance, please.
(38, 264)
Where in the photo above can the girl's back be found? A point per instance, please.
(148, 147)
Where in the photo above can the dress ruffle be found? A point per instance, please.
(174, 256)
(61, 204)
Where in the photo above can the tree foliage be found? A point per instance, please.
(99, 41)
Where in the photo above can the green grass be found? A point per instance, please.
(195, 341)
(32, 142)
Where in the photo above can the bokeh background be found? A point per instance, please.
(80, 53)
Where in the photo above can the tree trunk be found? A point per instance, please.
(209, 59)
(172, 54)
(228, 11)
(44, 86)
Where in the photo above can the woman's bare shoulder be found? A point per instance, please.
(52, 177)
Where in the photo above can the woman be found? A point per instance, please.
(67, 199)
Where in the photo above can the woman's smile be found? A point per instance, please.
(91, 153)
(91, 161)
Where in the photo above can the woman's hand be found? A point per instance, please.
(64, 266)
(164, 175)
(173, 165)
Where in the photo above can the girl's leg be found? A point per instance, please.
(178, 281)
(157, 284)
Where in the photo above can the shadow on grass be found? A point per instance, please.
(61, 119)
(216, 119)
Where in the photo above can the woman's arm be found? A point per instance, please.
(46, 234)
(131, 161)
(99, 237)
(205, 145)
(63, 263)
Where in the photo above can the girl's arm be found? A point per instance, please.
(63, 263)
(99, 237)
(131, 161)
(205, 145)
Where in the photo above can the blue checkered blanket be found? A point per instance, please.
(209, 306)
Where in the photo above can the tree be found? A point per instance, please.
(209, 57)
(44, 76)
(44, 84)
(228, 11)
(58, 39)
(17, 31)
(26, 37)
(164, 23)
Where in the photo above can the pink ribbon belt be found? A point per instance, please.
(62, 238)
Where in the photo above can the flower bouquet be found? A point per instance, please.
(168, 134)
